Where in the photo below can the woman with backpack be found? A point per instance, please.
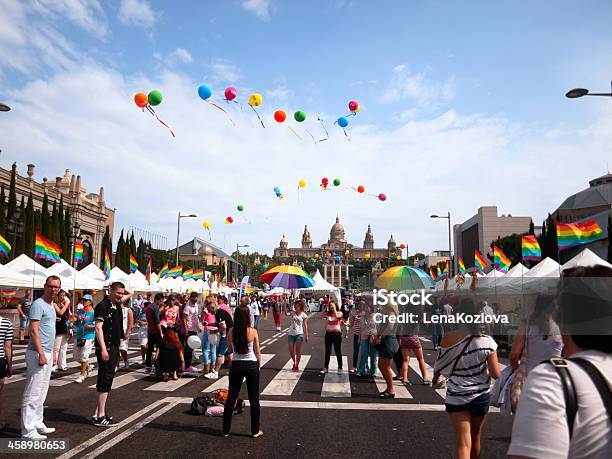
(243, 342)
(468, 360)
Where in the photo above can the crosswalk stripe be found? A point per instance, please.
(172, 385)
(334, 384)
(286, 379)
(414, 364)
(400, 390)
(223, 383)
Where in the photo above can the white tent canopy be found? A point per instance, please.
(322, 286)
(117, 275)
(10, 278)
(585, 258)
(28, 267)
(93, 272)
(73, 279)
(545, 268)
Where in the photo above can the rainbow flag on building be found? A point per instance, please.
(176, 271)
(500, 260)
(149, 270)
(198, 274)
(164, 272)
(133, 264)
(107, 265)
(571, 234)
(78, 252)
(5, 247)
(188, 274)
(479, 262)
(46, 249)
(462, 270)
(530, 248)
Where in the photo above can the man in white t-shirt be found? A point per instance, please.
(541, 426)
(254, 309)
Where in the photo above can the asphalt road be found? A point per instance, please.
(302, 414)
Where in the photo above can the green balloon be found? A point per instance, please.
(336, 182)
(155, 98)
(240, 207)
(299, 116)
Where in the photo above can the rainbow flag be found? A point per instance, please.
(107, 265)
(432, 273)
(46, 249)
(198, 274)
(149, 270)
(164, 272)
(530, 248)
(9, 293)
(5, 247)
(479, 262)
(500, 260)
(78, 252)
(446, 271)
(461, 266)
(188, 274)
(133, 264)
(571, 234)
(176, 271)
(438, 272)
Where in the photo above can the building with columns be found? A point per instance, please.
(89, 213)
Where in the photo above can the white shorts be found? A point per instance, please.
(143, 337)
(123, 345)
(81, 353)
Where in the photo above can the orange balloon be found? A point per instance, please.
(141, 100)
(280, 116)
(360, 189)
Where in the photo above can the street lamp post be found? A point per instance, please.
(580, 92)
(450, 257)
(178, 232)
(4, 108)
(238, 246)
(74, 234)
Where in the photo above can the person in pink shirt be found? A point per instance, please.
(192, 326)
(171, 313)
(223, 305)
(209, 337)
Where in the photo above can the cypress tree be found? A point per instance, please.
(61, 234)
(54, 231)
(21, 237)
(140, 254)
(119, 257)
(531, 228)
(610, 238)
(67, 228)
(12, 197)
(543, 241)
(552, 238)
(3, 212)
(106, 243)
(29, 228)
(45, 228)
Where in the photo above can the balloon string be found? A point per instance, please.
(312, 136)
(262, 123)
(220, 108)
(346, 135)
(325, 129)
(293, 130)
(158, 119)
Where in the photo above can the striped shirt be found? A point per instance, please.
(470, 379)
(333, 323)
(6, 334)
(356, 316)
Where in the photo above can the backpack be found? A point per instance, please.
(220, 397)
(200, 404)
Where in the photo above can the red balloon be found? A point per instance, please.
(402, 246)
(141, 100)
(324, 180)
(230, 220)
(382, 196)
(231, 93)
(360, 189)
(353, 105)
(280, 116)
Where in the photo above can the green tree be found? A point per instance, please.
(120, 255)
(29, 227)
(551, 236)
(543, 241)
(107, 244)
(3, 212)
(54, 233)
(610, 238)
(21, 237)
(140, 255)
(45, 217)
(510, 245)
(67, 229)
(62, 240)
(12, 197)
(133, 252)
(531, 228)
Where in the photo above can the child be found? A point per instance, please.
(298, 331)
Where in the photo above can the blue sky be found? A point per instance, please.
(462, 106)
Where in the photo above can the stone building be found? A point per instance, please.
(89, 213)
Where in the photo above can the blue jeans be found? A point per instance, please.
(206, 347)
(366, 350)
(436, 335)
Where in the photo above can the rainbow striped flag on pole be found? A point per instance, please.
(571, 234)
(446, 270)
(176, 271)
(78, 252)
(149, 270)
(198, 274)
(164, 272)
(133, 264)
(107, 265)
(462, 270)
(530, 248)
(500, 260)
(5, 247)
(432, 273)
(46, 249)
(188, 274)
(479, 262)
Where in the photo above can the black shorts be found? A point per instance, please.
(106, 370)
(477, 407)
(3, 367)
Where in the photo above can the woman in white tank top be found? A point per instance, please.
(243, 343)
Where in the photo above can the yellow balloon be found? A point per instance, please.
(206, 225)
(357, 109)
(346, 252)
(302, 183)
(399, 257)
(255, 100)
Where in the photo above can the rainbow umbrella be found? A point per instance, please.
(287, 277)
(404, 278)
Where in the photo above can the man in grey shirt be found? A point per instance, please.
(39, 358)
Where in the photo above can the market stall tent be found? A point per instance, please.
(28, 267)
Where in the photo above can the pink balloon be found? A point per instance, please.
(231, 93)
(382, 196)
(353, 105)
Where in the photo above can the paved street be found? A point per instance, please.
(302, 413)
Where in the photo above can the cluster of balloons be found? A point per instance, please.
(148, 101)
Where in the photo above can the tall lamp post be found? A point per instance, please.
(238, 246)
(580, 92)
(450, 257)
(178, 232)
(75, 232)
(15, 225)
(4, 108)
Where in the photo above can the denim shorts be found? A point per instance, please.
(222, 347)
(23, 322)
(295, 338)
(477, 407)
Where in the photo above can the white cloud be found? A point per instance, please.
(419, 87)
(281, 93)
(183, 55)
(137, 13)
(224, 71)
(260, 8)
(87, 14)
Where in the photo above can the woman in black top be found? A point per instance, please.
(170, 355)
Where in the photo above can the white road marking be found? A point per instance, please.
(172, 385)
(286, 379)
(223, 383)
(350, 406)
(400, 390)
(334, 384)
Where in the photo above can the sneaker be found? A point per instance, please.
(212, 375)
(45, 430)
(89, 370)
(53, 368)
(191, 370)
(277, 328)
(258, 434)
(104, 421)
(79, 379)
(35, 436)
(323, 371)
